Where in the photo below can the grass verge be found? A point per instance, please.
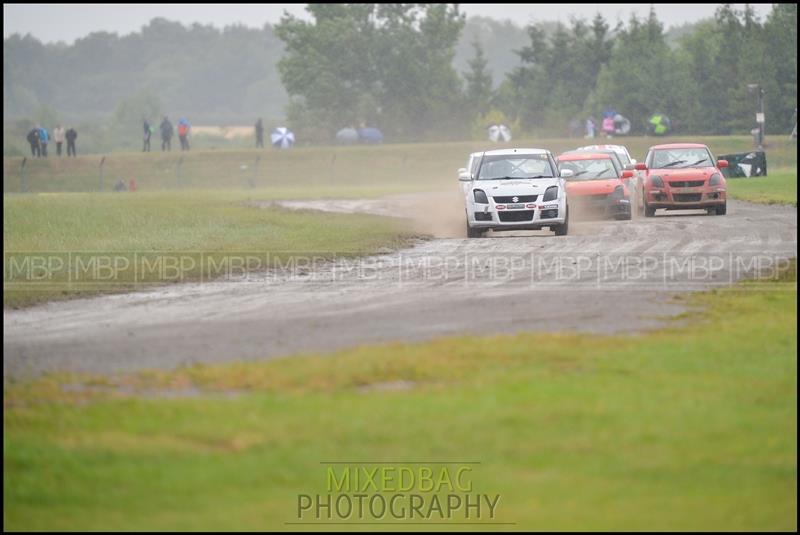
(779, 187)
(397, 167)
(94, 243)
(693, 427)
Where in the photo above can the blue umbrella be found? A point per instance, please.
(370, 135)
(281, 137)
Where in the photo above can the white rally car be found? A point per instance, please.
(514, 189)
(471, 168)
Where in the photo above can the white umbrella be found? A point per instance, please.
(281, 137)
(499, 133)
(622, 126)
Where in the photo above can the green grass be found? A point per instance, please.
(215, 223)
(778, 187)
(397, 167)
(690, 427)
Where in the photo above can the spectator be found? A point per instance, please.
(147, 133)
(574, 128)
(44, 137)
(259, 133)
(33, 139)
(71, 136)
(183, 133)
(608, 125)
(58, 137)
(591, 128)
(166, 134)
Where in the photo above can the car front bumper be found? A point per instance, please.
(531, 217)
(604, 205)
(686, 198)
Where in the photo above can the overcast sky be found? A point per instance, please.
(67, 22)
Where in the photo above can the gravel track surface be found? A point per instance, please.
(605, 277)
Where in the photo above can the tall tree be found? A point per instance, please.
(697, 53)
(780, 34)
(479, 81)
(642, 77)
(559, 69)
(741, 62)
(392, 62)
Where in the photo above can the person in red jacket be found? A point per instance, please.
(183, 133)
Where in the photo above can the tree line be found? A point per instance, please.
(392, 66)
(214, 76)
(416, 71)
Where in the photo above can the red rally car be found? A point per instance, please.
(597, 183)
(682, 176)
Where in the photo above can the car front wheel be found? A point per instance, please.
(648, 210)
(473, 232)
(722, 209)
(563, 229)
(625, 216)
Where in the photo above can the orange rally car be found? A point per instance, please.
(683, 176)
(597, 183)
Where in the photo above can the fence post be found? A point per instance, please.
(23, 182)
(102, 178)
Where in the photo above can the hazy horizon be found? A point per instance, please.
(51, 23)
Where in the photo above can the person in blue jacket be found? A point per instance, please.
(44, 137)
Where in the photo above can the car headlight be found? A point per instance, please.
(716, 180)
(656, 181)
(480, 196)
(551, 194)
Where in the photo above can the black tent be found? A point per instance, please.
(745, 164)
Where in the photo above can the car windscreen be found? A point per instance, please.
(595, 169)
(620, 152)
(510, 166)
(610, 153)
(681, 158)
(623, 156)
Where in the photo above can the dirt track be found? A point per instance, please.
(606, 276)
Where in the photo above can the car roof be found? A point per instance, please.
(584, 155)
(679, 146)
(619, 148)
(511, 152)
(612, 153)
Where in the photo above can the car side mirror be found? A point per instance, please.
(627, 173)
(463, 175)
(567, 173)
(722, 164)
(641, 167)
